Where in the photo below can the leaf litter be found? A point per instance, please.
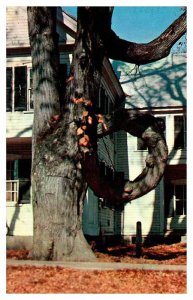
(44, 279)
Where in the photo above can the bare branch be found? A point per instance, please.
(139, 54)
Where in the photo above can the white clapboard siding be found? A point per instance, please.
(107, 221)
(121, 151)
(16, 27)
(91, 214)
(146, 209)
(19, 219)
(118, 222)
(106, 151)
(19, 124)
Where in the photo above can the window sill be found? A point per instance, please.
(176, 222)
(28, 112)
(13, 204)
(21, 112)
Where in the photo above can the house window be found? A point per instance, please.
(179, 132)
(12, 169)
(18, 97)
(18, 181)
(20, 89)
(179, 200)
(12, 182)
(175, 199)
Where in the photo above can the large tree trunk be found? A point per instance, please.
(65, 134)
(58, 193)
(58, 186)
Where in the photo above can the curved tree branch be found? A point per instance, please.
(139, 54)
(145, 126)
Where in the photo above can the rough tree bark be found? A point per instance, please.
(58, 186)
(65, 134)
(144, 126)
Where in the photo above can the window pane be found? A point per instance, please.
(10, 170)
(179, 207)
(24, 168)
(179, 123)
(9, 89)
(20, 88)
(168, 204)
(179, 191)
(31, 90)
(24, 191)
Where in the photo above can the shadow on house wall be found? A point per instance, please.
(159, 85)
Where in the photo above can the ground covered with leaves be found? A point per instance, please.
(159, 254)
(174, 254)
(31, 279)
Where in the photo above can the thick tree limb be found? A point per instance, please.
(145, 126)
(139, 54)
(45, 61)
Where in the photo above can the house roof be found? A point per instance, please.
(159, 84)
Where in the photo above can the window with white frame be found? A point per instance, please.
(18, 181)
(179, 199)
(175, 198)
(19, 89)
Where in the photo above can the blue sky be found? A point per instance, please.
(140, 24)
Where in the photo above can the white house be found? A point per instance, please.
(159, 88)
